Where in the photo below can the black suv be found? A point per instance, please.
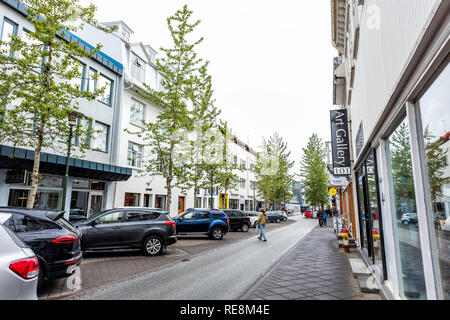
(53, 239)
(239, 220)
(151, 230)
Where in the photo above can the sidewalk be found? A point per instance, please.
(315, 270)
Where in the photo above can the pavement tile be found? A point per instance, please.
(315, 269)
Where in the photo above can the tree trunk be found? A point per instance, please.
(169, 193)
(37, 162)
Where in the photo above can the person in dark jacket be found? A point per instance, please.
(320, 217)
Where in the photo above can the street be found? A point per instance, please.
(221, 273)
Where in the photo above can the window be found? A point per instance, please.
(132, 199)
(243, 183)
(114, 217)
(9, 29)
(136, 113)
(25, 224)
(243, 164)
(78, 79)
(92, 80)
(204, 215)
(190, 216)
(134, 155)
(137, 68)
(405, 213)
(435, 115)
(198, 202)
(100, 142)
(106, 83)
(135, 216)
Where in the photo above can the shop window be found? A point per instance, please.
(435, 115)
(405, 214)
(132, 199)
(160, 202)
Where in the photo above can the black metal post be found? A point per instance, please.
(66, 177)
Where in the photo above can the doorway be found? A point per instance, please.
(181, 201)
(95, 203)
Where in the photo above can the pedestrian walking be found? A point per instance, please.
(325, 217)
(320, 217)
(261, 222)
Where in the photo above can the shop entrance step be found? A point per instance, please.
(359, 268)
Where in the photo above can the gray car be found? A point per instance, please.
(19, 268)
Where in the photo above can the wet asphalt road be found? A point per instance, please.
(224, 273)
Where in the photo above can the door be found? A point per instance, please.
(186, 223)
(203, 221)
(181, 204)
(95, 203)
(106, 232)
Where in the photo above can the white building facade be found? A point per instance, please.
(393, 76)
(91, 178)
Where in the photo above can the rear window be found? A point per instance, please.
(217, 215)
(24, 223)
(63, 223)
(14, 237)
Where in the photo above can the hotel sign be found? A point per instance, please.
(340, 143)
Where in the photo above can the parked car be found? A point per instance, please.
(239, 220)
(213, 223)
(253, 217)
(275, 216)
(409, 218)
(150, 230)
(285, 215)
(447, 225)
(53, 239)
(19, 267)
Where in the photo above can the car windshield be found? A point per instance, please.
(181, 214)
(93, 217)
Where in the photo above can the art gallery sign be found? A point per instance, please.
(340, 143)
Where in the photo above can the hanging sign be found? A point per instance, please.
(340, 143)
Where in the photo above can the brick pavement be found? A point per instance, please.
(316, 269)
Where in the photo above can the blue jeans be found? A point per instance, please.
(262, 233)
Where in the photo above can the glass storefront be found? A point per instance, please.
(408, 244)
(434, 108)
(369, 213)
(87, 196)
(132, 199)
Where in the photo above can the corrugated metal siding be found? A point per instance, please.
(384, 54)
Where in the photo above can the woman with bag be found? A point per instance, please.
(261, 222)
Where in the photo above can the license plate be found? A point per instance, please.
(71, 269)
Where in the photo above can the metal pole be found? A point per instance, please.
(212, 187)
(66, 177)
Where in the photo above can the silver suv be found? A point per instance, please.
(19, 268)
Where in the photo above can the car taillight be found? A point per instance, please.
(27, 269)
(68, 238)
(247, 217)
(72, 262)
(171, 223)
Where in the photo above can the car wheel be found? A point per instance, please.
(153, 246)
(405, 222)
(217, 233)
(245, 227)
(255, 224)
(278, 221)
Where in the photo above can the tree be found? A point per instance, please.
(166, 137)
(402, 170)
(37, 80)
(272, 171)
(227, 178)
(436, 163)
(314, 172)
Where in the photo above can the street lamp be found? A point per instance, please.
(72, 122)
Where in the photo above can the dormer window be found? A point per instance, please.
(137, 68)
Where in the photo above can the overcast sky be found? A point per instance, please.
(271, 61)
